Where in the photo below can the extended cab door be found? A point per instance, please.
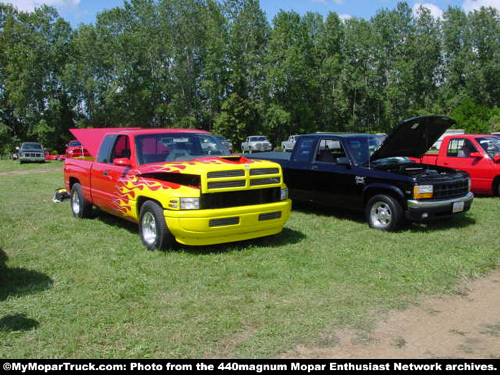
(298, 175)
(105, 176)
(333, 178)
(457, 154)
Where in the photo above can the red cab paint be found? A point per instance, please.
(477, 154)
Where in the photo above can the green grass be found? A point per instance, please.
(88, 288)
(14, 165)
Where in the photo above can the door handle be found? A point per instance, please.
(314, 167)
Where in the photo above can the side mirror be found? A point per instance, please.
(496, 158)
(122, 162)
(475, 155)
(344, 161)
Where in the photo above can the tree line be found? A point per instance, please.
(222, 66)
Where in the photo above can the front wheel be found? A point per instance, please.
(79, 205)
(385, 213)
(153, 228)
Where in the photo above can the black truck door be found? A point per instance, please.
(333, 178)
(298, 175)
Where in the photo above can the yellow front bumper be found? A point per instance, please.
(193, 227)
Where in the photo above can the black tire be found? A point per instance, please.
(383, 212)
(80, 207)
(153, 229)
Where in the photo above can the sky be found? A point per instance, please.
(84, 11)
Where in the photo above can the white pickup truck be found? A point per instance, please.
(256, 143)
(288, 145)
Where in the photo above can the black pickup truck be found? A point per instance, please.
(374, 173)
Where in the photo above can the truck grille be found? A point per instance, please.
(265, 181)
(32, 155)
(224, 174)
(261, 171)
(456, 189)
(240, 198)
(226, 184)
(224, 222)
(270, 216)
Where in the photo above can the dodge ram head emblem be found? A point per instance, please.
(360, 180)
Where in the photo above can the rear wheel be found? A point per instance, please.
(385, 213)
(79, 205)
(153, 228)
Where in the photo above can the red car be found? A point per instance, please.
(57, 157)
(477, 154)
(74, 149)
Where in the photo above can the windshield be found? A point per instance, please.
(361, 148)
(154, 148)
(491, 145)
(31, 146)
(258, 139)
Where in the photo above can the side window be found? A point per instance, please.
(330, 151)
(303, 149)
(121, 148)
(460, 148)
(105, 150)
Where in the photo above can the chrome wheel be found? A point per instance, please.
(381, 215)
(149, 233)
(75, 203)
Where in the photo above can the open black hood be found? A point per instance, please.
(413, 137)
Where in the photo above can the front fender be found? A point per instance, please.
(380, 188)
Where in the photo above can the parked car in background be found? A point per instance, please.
(256, 143)
(288, 145)
(52, 157)
(373, 173)
(478, 155)
(31, 152)
(227, 144)
(74, 149)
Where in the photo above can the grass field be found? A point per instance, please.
(11, 165)
(88, 288)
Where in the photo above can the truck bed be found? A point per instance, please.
(282, 158)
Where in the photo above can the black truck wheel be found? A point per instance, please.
(383, 212)
(79, 205)
(153, 228)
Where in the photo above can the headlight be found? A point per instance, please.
(284, 194)
(422, 191)
(190, 203)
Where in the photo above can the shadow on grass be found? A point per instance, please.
(441, 225)
(115, 221)
(17, 322)
(460, 221)
(286, 237)
(335, 212)
(19, 281)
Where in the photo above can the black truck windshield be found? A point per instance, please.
(154, 148)
(31, 146)
(361, 148)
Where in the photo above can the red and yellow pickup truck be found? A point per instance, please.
(177, 184)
